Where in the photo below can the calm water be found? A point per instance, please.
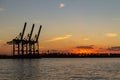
(60, 69)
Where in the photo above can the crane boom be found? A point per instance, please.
(31, 32)
(38, 33)
(22, 34)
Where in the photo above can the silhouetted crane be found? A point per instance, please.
(27, 45)
(35, 43)
(16, 42)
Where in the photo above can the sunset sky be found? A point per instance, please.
(67, 24)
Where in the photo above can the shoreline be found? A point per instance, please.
(61, 55)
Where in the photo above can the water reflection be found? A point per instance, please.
(27, 69)
(19, 69)
(60, 69)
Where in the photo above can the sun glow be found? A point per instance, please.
(62, 5)
(83, 51)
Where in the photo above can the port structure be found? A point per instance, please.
(26, 45)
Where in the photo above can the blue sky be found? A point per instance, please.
(77, 22)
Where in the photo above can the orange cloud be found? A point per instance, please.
(1, 40)
(59, 38)
(86, 39)
(111, 34)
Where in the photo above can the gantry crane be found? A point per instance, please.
(34, 43)
(26, 46)
(28, 41)
(17, 41)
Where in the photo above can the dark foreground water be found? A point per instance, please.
(60, 69)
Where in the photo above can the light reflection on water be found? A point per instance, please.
(60, 69)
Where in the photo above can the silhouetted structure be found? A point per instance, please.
(26, 47)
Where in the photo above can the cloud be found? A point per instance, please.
(1, 40)
(85, 47)
(101, 50)
(62, 5)
(59, 38)
(111, 34)
(115, 48)
(86, 39)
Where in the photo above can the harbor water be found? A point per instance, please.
(60, 69)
